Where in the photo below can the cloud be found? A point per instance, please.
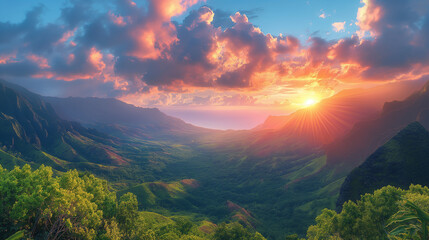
(206, 56)
(135, 49)
(399, 46)
(338, 26)
(323, 14)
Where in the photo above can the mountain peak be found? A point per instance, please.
(412, 129)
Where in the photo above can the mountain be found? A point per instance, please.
(121, 119)
(275, 180)
(365, 137)
(31, 131)
(402, 161)
(333, 117)
(273, 122)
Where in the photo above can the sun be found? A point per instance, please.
(310, 102)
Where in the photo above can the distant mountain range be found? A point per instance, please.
(402, 161)
(121, 119)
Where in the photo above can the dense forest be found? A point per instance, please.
(40, 205)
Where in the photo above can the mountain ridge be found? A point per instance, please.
(124, 120)
(334, 117)
(365, 137)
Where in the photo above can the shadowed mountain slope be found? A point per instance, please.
(365, 137)
(402, 161)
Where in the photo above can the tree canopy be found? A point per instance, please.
(367, 218)
(38, 205)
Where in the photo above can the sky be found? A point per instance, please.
(215, 63)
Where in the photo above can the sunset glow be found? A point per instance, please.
(197, 53)
(310, 102)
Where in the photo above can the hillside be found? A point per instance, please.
(365, 137)
(31, 130)
(164, 197)
(335, 116)
(273, 122)
(402, 161)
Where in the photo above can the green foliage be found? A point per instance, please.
(409, 223)
(17, 236)
(35, 204)
(235, 231)
(184, 225)
(53, 207)
(112, 231)
(128, 213)
(367, 217)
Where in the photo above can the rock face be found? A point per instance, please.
(402, 161)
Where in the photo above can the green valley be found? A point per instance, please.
(267, 180)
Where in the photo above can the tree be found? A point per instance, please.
(184, 225)
(23, 196)
(49, 207)
(367, 217)
(112, 231)
(324, 228)
(128, 213)
(235, 231)
(72, 212)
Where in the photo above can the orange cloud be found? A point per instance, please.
(136, 49)
(41, 61)
(96, 59)
(66, 36)
(7, 58)
(118, 20)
